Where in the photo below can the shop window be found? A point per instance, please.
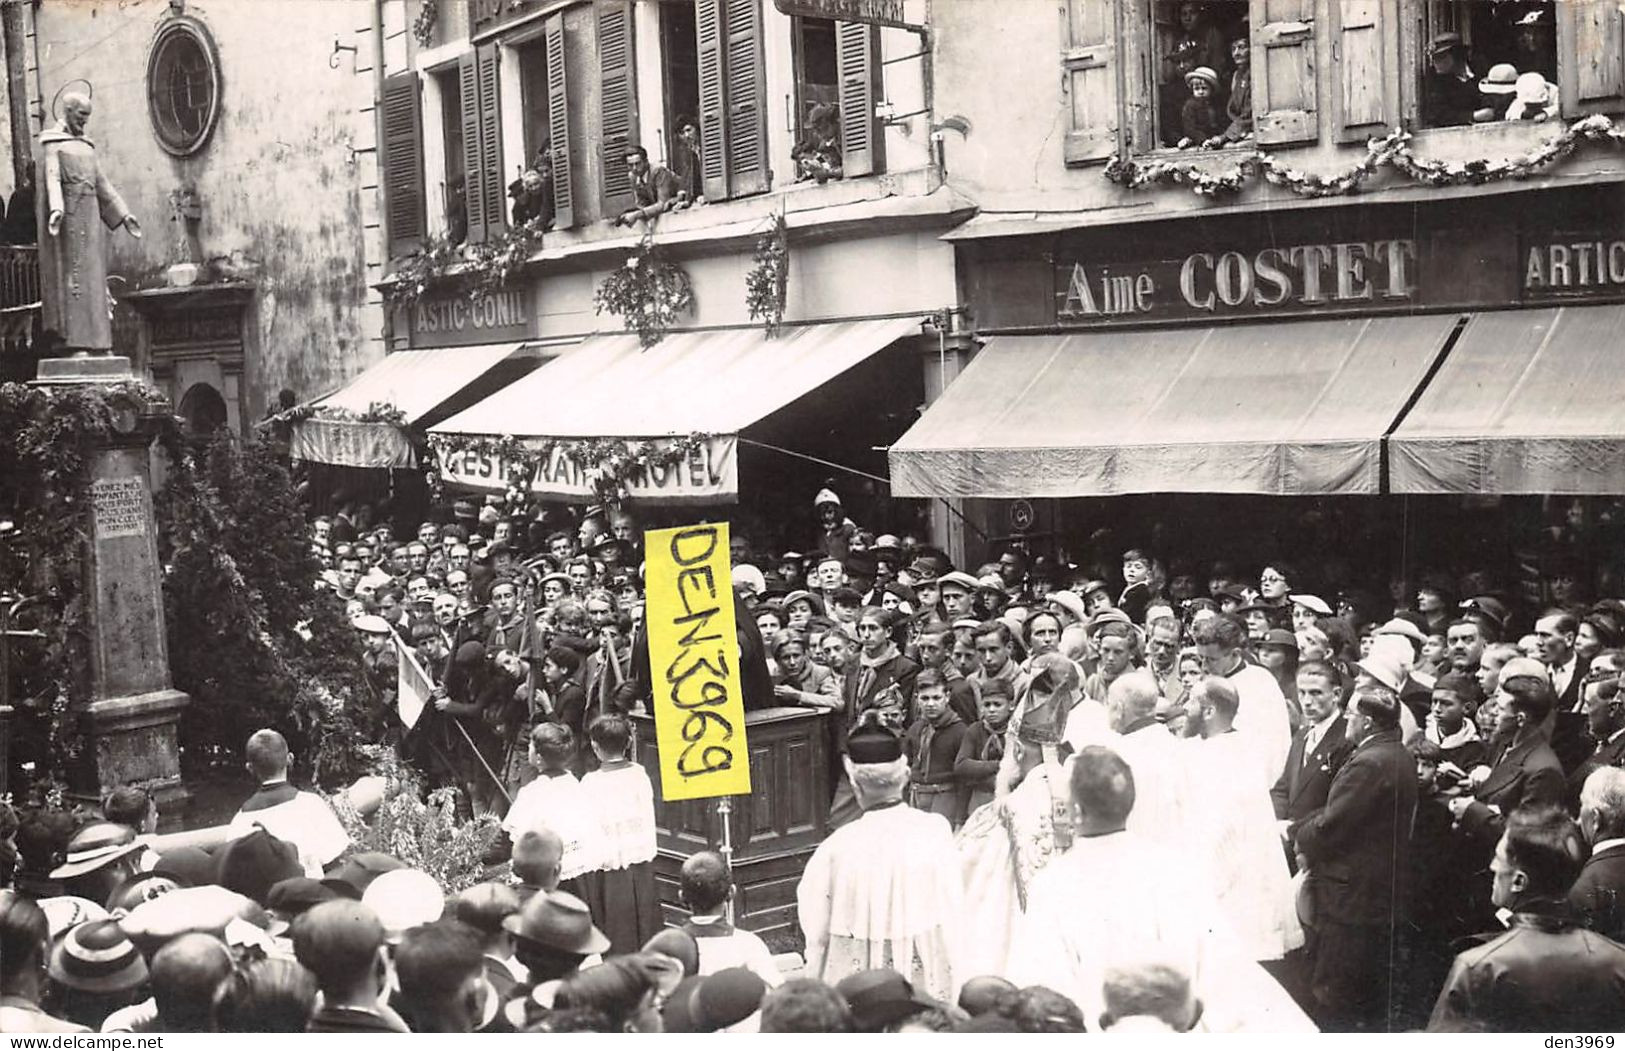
(680, 68)
(837, 86)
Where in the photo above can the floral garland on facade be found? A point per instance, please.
(607, 464)
(1392, 150)
(769, 279)
(423, 27)
(483, 268)
(647, 292)
(375, 412)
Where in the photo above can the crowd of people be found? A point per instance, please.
(1068, 798)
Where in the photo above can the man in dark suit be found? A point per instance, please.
(1566, 670)
(1526, 772)
(1318, 749)
(1605, 724)
(1355, 850)
(1598, 896)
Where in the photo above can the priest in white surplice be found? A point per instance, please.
(1159, 760)
(1233, 827)
(1114, 898)
(884, 890)
(302, 818)
(1263, 721)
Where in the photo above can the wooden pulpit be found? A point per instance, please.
(775, 828)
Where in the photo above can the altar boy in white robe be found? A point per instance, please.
(1113, 896)
(884, 890)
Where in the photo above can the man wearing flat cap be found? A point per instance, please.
(884, 890)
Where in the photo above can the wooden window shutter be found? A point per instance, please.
(1366, 55)
(402, 121)
(1285, 99)
(1590, 58)
(713, 99)
(617, 101)
(1089, 80)
(863, 141)
(468, 83)
(558, 125)
(747, 98)
(493, 187)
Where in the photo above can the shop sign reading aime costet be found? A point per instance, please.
(1314, 277)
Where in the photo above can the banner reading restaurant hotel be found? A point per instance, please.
(699, 706)
(709, 476)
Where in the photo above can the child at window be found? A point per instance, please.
(1174, 93)
(1200, 118)
(1534, 98)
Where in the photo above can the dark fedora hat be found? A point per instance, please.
(558, 921)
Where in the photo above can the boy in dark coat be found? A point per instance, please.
(932, 745)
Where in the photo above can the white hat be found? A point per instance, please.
(404, 898)
(1388, 662)
(826, 496)
(1403, 627)
(1068, 601)
(749, 576)
(1313, 603)
(1531, 87)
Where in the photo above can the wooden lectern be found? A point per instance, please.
(775, 828)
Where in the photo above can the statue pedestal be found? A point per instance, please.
(87, 368)
(130, 724)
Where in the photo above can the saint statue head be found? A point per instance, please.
(75, 111)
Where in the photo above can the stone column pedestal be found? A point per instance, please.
(130, 724)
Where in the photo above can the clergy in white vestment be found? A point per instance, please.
(1233, 828)
(1158, 758)
(302, 818)
(1264, 722)
(1113, 898)
(884, 890)
(1007, 842)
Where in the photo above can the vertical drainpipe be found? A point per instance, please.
(14, 24)
(378, 155)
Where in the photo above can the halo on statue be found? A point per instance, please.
(90, 93)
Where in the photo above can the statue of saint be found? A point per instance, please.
(73, 258)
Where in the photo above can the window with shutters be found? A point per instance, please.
(485, 189)
(837, 82)
(732, 98)
(402, 129)
(617, 103)
(1490, 61)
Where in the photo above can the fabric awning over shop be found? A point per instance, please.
(1282, 408)
(713, 383)
(414, 381)
(1529, 401)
